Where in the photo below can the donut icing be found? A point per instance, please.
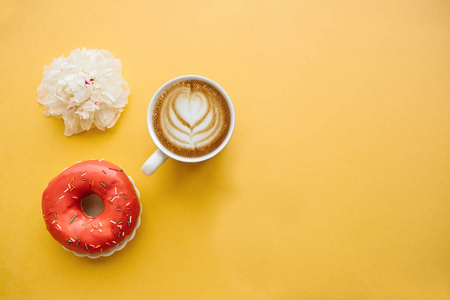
(70, 226)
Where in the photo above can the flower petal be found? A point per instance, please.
(86, 89)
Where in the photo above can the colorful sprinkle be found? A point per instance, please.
(83, 179)
(121, 170)
(78, 242)
(86, 246)
(120, 222)
(61, 197)
(56, 216)
(74, 197)
(83, 175)
(129, 224)
(103, 184)
(75, 237)
(118, 209)
(112, 221)
(73, 218)
(58, 226)
(124, 197)
(118, 234)
(92, 183)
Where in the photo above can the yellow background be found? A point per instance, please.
(335, 184)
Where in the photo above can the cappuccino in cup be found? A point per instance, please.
(191, 118)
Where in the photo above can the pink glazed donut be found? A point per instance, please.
(68, 223)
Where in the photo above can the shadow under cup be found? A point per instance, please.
(163, 151)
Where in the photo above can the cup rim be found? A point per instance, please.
(155, 139)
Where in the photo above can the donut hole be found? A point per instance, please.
(92, 205)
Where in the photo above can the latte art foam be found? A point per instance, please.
(191, 118)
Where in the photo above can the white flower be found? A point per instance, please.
(86, 89)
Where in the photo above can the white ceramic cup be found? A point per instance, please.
(162, 154)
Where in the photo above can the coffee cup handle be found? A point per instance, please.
(154, 162)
